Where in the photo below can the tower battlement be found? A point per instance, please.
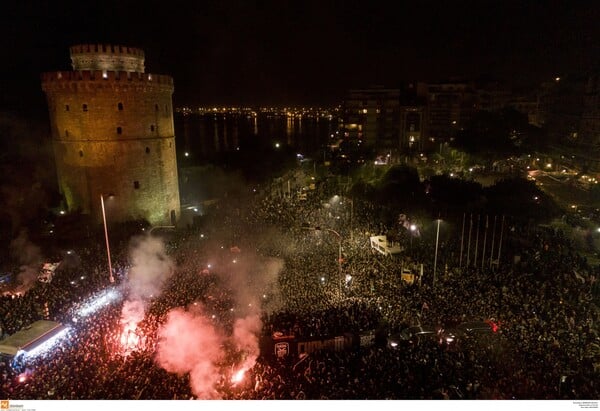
(107, 57)
(105, 49)
(112, 132)
(59, 79)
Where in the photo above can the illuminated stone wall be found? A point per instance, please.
(113, 134)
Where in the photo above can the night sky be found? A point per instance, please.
(300, 52)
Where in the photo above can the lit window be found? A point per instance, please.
(104, 74)
(119, 130)
(364, 110)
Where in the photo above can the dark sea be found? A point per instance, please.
(204, 137)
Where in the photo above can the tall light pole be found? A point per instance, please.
(110, 271)
(339, 257)
(341, 199)
(437, 238)
(351, 216)
(339, 253)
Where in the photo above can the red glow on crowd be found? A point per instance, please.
(238, 376)
(130, 340)
(495, 326)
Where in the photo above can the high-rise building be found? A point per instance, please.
(450, 107)
(373, 116)
(113, 135)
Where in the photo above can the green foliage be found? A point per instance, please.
(595, 193)
(455, 195)
(399, 190)
(522, 200)
(498, 134)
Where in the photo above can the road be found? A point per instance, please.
(562, 189)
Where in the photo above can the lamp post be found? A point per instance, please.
(340, 279)
(339, 253)
(110, 271)
(351, 218)
(413, 228)
(351, 215)
(437, 238)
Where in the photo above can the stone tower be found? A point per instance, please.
(113, 135)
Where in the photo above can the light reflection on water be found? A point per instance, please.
(207, 135)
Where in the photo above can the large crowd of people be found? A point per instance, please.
(542, 294)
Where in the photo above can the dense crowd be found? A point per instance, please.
(543, 295)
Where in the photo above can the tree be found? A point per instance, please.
(491, 134)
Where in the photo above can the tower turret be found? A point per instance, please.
(113, 134)
(107, 57)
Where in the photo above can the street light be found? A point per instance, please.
(110, 272)
(413, 228)
(337, 197)
(339, 252)
(437, 238)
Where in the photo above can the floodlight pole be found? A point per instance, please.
(437, 238)
(110, 271)
(339, 253)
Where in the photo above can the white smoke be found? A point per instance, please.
(150, 268)
(29, 257)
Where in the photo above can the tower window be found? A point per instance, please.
(85, 108)
(136, 184)
(120, 106)
(156, 107)
(66, 107)
(147, 150)
(152, 127)
(66, 133)
(80, 153)
(119, 130)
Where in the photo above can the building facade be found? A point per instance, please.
(450, 107)
(113, 135)
(373, 116)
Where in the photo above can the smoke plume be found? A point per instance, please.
(28, 256)
(245, 336)
(150, 268)
(190, 343)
